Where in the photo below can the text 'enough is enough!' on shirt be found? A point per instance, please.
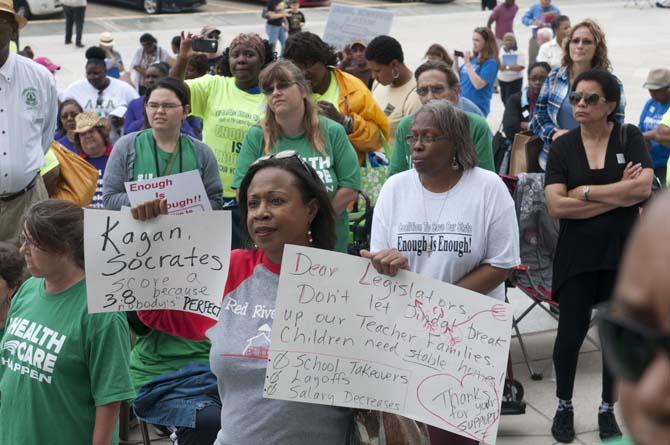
(57, 363)
(227, 112)
(446, 236)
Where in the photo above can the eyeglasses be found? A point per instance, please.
(286, 155)
(585, 42)
(589, 98)
(279, 86)
(435, 89)
(537, 79)
(629, 346)
(23, 239)
(412, 140)
(166, 106)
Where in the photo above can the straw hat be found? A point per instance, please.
(8, 6)
(88, 120)
(106, 39)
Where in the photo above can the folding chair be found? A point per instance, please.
(538, 236)
(124, 427)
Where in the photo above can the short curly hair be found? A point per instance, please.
(307, 47)
(384, 50)
(12, 265)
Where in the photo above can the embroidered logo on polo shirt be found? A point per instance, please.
(30, 97)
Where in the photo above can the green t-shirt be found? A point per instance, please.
(157, 353)
(619, 441)
(339, 169)
(145, 157)
(227, 112)
(57, 363)
(401, 157)
(332, 94)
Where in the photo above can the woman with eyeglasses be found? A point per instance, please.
(292, 122)
(586, 49)
(98, 93)
(435, 81)
(446, 218)
(634, 329)
(283, 201)
(480, 68)
(520, 107)
(65, 371)
(161, 149)
(67, 112)
(596, 178)
(339, 96)
(228, 105)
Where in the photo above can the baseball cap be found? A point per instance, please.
(119, 111)
(362, 42)
(47, 63)
(657, 79)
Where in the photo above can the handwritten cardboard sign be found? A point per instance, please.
(171, 262)
(348, 23)
(185, 192)
(345, 335)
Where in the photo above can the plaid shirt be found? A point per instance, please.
(554, 91)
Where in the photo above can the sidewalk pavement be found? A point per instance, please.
(534, 427)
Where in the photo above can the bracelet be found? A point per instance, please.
(585, 193)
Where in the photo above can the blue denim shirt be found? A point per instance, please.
(174, 398)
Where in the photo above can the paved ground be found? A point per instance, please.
(637, 41)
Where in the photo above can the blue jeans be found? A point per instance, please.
(276, 33)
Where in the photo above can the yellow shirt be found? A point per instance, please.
(50, 162)
(227, 113)
(12, 46)
(666, 119)
(332, 94)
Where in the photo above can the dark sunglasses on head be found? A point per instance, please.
(287, 155)
(279, 86)
(435, 89)
(629, 346)
(589, 98)
(483, 31)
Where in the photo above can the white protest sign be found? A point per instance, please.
(170, 262)
(345, 335)
(185, 192)
(348, 23)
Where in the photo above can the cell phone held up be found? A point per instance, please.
(458, 53)
(205, 45)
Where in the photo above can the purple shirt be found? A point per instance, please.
(504, 18)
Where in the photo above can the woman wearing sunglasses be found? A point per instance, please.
(446, 219)
(597, 175)
(283, 201)
(292, 122)
(635, 330)
(586, 49)
(479, 69)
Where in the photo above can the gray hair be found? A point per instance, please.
(546, 33)
(454, 124)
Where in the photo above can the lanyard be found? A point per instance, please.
(170, 163)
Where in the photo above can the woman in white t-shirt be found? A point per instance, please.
(512, 64)
(446, 218)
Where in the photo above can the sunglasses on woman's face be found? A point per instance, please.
(629, 346)
(589, 98)
(279, 86)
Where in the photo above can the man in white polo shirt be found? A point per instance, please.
(552, 51)
(28, 112)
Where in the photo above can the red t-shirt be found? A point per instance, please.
(504, 18)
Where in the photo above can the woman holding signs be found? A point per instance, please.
(446, 218)
(163, 150)
(160, 150)
(292, 122)
(64, 371)
(282, 201)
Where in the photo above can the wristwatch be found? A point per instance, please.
(506, 67)
(585, 193)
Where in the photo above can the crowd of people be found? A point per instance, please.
(285, 138)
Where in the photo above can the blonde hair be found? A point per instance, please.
(286, 71)
(600, 59)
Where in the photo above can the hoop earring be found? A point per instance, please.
(395, 73)
(454, 163)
